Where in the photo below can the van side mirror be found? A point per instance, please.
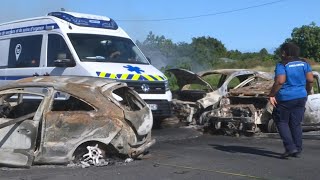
(62, 61)
(149, 60)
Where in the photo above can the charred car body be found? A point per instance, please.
(246, 108)
(203, 91)
(54, 120)
(235, 100)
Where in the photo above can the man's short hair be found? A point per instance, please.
(290, 49)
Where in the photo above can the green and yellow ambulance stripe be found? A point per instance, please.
(133, 77)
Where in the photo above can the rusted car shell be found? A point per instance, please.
(189, 108)
(61, 134)
(248, 107)
(223, 85)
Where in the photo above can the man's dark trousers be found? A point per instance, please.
(288, 116)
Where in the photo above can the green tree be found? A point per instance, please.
(263, 52)
(264, 55)
(234, 54)
(202, 53)
(307, 37)
(207, 50)
(153, 41)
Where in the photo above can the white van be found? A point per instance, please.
(67, 43)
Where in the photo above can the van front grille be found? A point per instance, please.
(153, 88)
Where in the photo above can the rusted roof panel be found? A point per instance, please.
(261, 88)
(59, 82)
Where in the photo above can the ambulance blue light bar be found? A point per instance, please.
(86, 22)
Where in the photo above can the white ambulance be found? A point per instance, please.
(68, 43)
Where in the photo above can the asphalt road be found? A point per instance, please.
(184, 153)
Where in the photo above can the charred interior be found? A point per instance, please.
(258, 102)
(189, 95)
(13, 105)
(185, 104)
(236, 114)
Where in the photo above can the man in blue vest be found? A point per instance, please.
(293, 82)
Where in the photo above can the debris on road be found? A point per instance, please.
(128, 160)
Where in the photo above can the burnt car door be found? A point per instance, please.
(20, 116)
(69, 120)
(135, 109)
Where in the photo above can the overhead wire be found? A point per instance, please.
(202, 15)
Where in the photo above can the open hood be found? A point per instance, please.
(185, 77)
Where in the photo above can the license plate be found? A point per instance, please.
(153, 106)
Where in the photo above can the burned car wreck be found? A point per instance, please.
(246, 108)
(233, 100)
(201, 92)
(57, 120)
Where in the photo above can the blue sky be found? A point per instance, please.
(246, 30)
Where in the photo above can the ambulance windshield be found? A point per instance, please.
(103, 48)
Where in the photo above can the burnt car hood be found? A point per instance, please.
(260, 88)
(263, 88)
(185, 77)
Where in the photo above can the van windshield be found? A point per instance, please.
(103, 48)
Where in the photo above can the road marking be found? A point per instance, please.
(210, 170)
